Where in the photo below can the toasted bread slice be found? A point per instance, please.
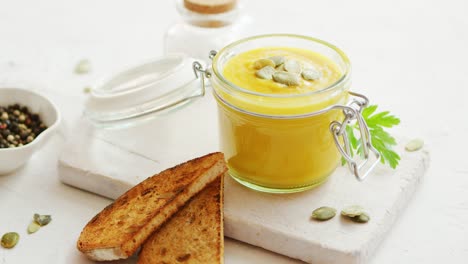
(193, 235)
(118, 231)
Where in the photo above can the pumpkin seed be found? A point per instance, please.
(33, 227)
(265, 73)
(292, 66)
(278, 60)
(9, 240)
(414, 145)
(310, 74)
(87, 90)
(287, 78)
(261, 63)
(323, 213)
(42, 220)
(280, 68)
(362, 218)
(352, 211)
(83, 67)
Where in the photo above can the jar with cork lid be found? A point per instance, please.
(205, 25)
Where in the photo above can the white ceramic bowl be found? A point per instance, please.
(13, 158)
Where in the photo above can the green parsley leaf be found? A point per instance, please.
(369, 110)
(352, 138)
(381, 139)
(382, 119)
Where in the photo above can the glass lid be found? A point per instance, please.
(146, 89)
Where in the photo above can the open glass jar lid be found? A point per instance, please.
(139, 92)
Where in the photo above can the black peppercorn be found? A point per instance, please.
(18, 126)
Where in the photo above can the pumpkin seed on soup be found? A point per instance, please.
(278, 60)
(280, 68)
(265, 73)
(261, 63)
(292, 66)
(310, 74)
(324, 213)
(9, 240)
(287, 78)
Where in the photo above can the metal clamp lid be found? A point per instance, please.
(146, 89)
(353, 111)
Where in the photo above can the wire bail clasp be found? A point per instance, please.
(353, 111)
(201, 73)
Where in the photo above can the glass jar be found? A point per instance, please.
(273, 142)
(286, 143)
(202, 30)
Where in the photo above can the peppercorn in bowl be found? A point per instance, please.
(27, 120)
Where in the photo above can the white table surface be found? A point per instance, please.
(409, 56)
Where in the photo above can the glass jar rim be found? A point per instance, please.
(334, 86)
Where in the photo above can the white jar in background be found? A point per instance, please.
(205, 25)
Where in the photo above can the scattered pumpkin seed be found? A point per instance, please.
(33, 227)
(362, 218)
(278, 60)
(42, 220)
(352, 211)
(9, 240)
(292, 66)
(324, 213)
(310, 74)
(414, 145)
(287, 78)
(265, 73)
(83, 67)
(356, 214)
(261, 63)
(87, 90)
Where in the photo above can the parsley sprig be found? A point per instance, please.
(381, 139)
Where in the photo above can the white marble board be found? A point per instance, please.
(108, 162)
